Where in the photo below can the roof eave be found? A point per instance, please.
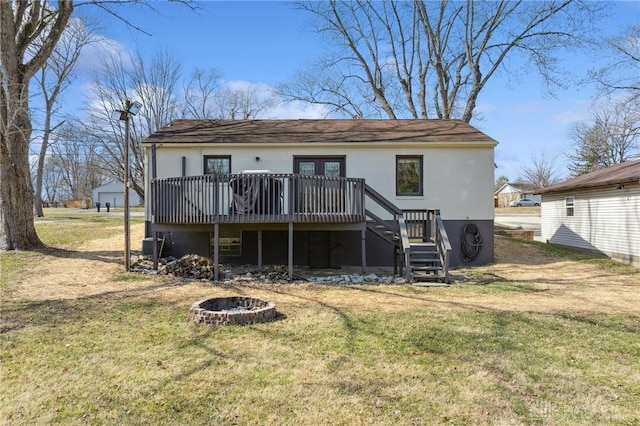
(607, 184)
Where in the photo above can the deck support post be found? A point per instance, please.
(290, 248)
(216, 250)
(155, 251)
(260, 251)
(364, 249)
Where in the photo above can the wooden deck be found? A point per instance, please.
(257, 198)
(265, 200)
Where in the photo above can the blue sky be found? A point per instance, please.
(264, 42)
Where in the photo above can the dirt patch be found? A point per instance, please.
(531, 280)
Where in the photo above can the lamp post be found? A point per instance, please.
(130, 109)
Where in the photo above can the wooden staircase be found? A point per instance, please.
(418, 237)
(426, 263)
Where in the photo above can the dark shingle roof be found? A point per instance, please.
(320, 131)
(627, 172)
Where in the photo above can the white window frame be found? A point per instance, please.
(569, 206)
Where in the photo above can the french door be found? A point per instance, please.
(319, 166)
(319, 197)
(322, 198)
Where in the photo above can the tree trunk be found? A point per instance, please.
(20, 24)
(17, 229)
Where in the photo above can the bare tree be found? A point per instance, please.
(53, 78)
(51, 181)
(542, 172)
(207, 96)
(30, 31)
(76, 161)
(200, 94)
(243, 103)
(623, 70)
(426, 59)
(153, 82)
(611, 137)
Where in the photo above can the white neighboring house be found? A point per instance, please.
(516, 191)
(599, 211)
(113, 193)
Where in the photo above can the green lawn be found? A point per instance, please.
(362, 355)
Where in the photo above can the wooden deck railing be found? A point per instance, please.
(257, 198)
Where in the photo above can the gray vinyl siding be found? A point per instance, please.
(605, 220)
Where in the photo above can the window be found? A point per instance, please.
(230, 244)
(568, 203)
(217, 164)
(409, 175)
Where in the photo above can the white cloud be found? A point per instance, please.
(297, 110)
(259, 88)
(93, 54)
(578, 111)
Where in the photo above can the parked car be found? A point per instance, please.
(523, 202)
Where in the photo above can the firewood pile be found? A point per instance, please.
(191, 266)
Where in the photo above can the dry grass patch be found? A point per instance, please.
(538, 338)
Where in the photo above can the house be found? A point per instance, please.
(598, 211)
(324, 193)
(113, 193)
(516, 191)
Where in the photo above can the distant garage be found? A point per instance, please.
(113, 193)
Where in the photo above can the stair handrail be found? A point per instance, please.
(444, 245)
(398, 217)
(406, 245)
(382, 201)
(379, 221)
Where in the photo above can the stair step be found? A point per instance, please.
(425, 259)
(415, 249)
(424, 244)
(426, 264)
(419, 253)
(424, 255)
(426, 268)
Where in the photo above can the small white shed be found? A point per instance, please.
(599, 211)
(113, 193)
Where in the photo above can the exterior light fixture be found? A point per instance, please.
(130, 109)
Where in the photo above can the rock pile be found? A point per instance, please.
(196, 267)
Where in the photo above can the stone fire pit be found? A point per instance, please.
(232, 310)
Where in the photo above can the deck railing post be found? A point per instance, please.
(216, 200)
